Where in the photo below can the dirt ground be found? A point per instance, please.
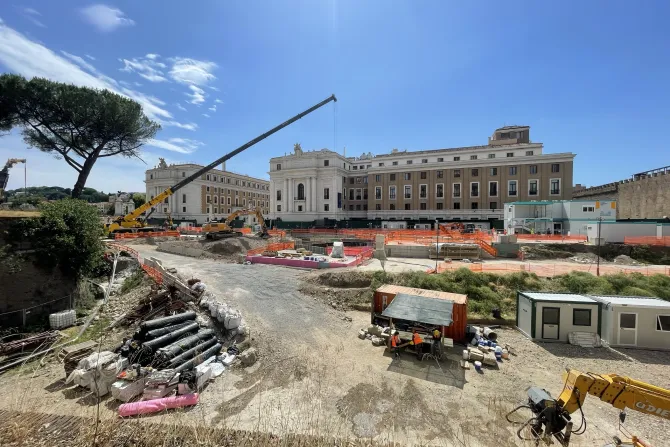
(314, 376)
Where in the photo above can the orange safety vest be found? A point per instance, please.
(394, 341)
(416, 339)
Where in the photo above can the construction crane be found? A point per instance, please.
(132, 222)
(4, 175)
(551, 417)
(218, 230)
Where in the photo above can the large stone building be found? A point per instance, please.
(646, 195)
(470, 183)
(214, 195)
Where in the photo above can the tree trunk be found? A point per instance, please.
(83, 176)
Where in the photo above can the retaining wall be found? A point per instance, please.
(407, 251)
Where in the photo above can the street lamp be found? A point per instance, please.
(600, 220)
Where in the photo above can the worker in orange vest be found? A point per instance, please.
(395, 345)
(417, 341)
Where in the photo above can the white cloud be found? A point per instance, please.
(213, 108)
(205, 115)
(146, 67)
(105, 18)
(181, 107)
(218, 101)
(137, 84)
(192, 71)
(152, 56)
(90, 57)
(81, 62)
(181, 145)
(187, 126)
(32, 14)
(28, 58)
(197, 95)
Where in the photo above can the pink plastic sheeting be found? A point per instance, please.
(156, 405)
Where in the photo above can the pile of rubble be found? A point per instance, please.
(484, 349)
(378, 335)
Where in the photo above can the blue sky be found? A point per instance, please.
(588, 77)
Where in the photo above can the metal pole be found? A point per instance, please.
(600, 219)
(437, 242)
(25, 178)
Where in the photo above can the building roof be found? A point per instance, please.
(636, 301)
(396, 290)
(421, 309)
(458, 149)
(513, 127)
(562, 297)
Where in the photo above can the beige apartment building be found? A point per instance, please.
(471, 183)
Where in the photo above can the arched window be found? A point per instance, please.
(301, 191)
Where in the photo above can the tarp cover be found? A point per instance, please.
(420, 309)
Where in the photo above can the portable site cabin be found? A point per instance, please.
(552, 316)
(421, 304)
(640, 322)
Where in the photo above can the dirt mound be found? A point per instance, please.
(626, 260)
(343, 278)
(544, 251)
(228, 247)
(585, 258)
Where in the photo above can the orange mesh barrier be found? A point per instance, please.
(152, 272)
(551, 237)
(549, 270)
(190, 229)
(272, 247)
(145, 234)
(662, 241)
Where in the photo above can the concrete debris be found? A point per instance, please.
(626, 260)
(373, 329)
(126, 391)
(361, 334)
(584, 339)
(249, 357)
(585, 258)
(377, 341)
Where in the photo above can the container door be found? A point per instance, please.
(550, 318)
(628, 329)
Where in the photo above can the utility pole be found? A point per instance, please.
(437, 242)
(600, 220)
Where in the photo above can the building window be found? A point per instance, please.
(512, 170)
(407, 206)
(409, 162)
(474, 205)
(213, 178)
(457, 158)
(207, 176)
(358, 194)
(533, 169)
(439, 190)
(216, 199)
(555, 186)
(456, 189)
(378, 192)
(392, 177)
(511, 188)
(183, 198)
(326, 207)
(365, 194)
(351, 207)
(358, 207)
(378, 178)
(474, 189)
(440, 174)
(207, 188)
(424, 160)
(351, 194)
(424, 175)
(475, 172)
(359, 180)
(422, 206)
(493, 189)
(378, 207)
(237, 201)
(423, 191)
(228, 200)
(408, 192)
(408, 176)
(392, 207)
(494, 171)
(392, 192)
(395, 163)
(492, 155)
(587, 209)
(183, 174)
(355, 168)
(301, 191)
(326, 193)
(581, 317)
(351, 180)
(529, 153)
(299, 207)
(151, 176)
(473, 157)
(493, 205)
(278, 169)
(510, 154)
(457, 205)
(209, 199)
(183, 209)
(555, 167)
(457, 172)
(440, 159)
(381, 164)
(663, 323)
(326, 163)
(439, 205)
(216, 210)
(278, 208)
(532, 187)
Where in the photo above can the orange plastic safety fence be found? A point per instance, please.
(272, 247)
(152, 272)
(662, 241)
(550, 270)
(551, 237)
(144, 234)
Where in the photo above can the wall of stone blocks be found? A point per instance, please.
(646, 198)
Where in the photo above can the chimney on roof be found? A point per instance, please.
(223, 166)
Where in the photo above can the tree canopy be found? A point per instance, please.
(139, 199)
(77, 124)
(90, 195)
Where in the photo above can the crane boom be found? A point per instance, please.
(131, 220)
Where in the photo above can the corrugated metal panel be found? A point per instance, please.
(564, 297)
(633, 301)
(393, 289)
(460, 319)
(421, 309)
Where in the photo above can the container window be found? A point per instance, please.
(581, 317)
(663, 323)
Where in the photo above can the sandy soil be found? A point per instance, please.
(315, 376)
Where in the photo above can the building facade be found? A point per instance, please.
(470, 183)
(214, 195)
(567, 217)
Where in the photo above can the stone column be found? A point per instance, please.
(285, 207)
(308, 195)
(315, 194)
(333, 195)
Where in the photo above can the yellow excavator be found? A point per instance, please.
(218, 230)
(551, 417)
(135, 222)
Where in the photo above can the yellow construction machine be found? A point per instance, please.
(218, 230)
(551, 417)
(134, 221)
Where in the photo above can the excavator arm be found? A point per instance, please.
(552, 417)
